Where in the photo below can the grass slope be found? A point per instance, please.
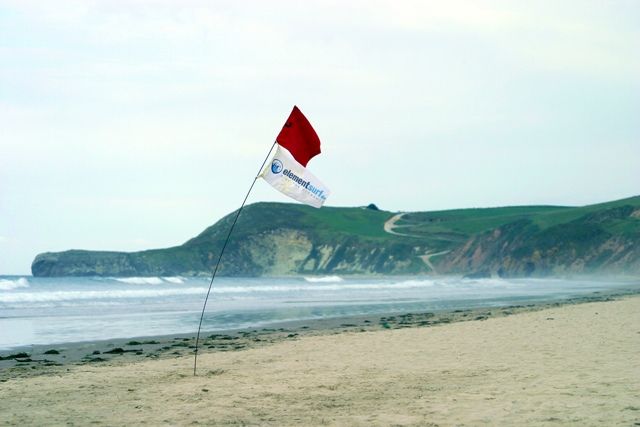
(446, 229)
(325, 223)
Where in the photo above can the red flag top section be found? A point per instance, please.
(297, 136)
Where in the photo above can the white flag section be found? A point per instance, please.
(289, 177)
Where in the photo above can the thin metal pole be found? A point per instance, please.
(215, 270)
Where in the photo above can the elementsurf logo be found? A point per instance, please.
(276, 166)
(307, 185)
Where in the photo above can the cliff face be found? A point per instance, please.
(584, 246)
(274, 253)
(269, 239)
(287, 251)
(283, 239)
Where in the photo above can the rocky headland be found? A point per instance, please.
(279, 239)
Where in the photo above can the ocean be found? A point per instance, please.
(62, 310)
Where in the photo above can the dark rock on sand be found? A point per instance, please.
(15, 356)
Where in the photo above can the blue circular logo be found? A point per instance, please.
(276, 166)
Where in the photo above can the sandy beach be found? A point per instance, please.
(567, 365)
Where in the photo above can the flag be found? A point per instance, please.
(289, 177)
(297, 144)
(299, 137)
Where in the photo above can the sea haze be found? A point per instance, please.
(69, 309)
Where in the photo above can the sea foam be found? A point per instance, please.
(23, 297)
(324, 279)
(177, 280)
(140, 280)
(8, 285)
(330, 286)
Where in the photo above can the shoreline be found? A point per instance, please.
(561, 364)
(37, 360)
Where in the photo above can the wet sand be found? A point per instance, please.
(574, 364)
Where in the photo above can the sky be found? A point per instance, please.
(128, 125)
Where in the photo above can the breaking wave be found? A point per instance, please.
(335, 286)
(177, 280)
(330, 284)
(95, 295)
(324, 279)
(149, 280)
(7, 285)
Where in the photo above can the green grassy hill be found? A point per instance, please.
(285, 239)
(446, 229)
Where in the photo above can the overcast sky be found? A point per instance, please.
(134, 125)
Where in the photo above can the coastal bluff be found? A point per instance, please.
(279, 239)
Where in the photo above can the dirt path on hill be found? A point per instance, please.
(427, 259)
(390, 226)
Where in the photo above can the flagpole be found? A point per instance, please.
(215, 270)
